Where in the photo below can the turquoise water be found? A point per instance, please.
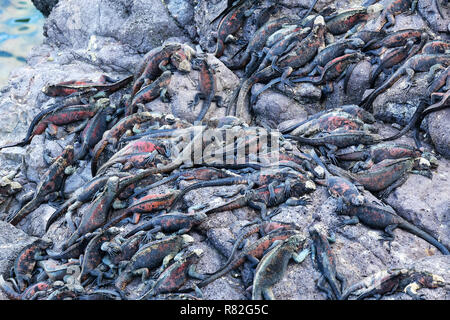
(20, 30)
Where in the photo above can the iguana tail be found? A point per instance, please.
(405, 225)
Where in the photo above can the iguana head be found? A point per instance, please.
(200, 216)
(430, 280)
(44, 243)
(431, 158)
(187, 240)
(180, 60)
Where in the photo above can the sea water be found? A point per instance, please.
(21, 27)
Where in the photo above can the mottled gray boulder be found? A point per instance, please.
(439, 130)
(398, 103)
(358, 83)
(425, 202)
(428, 10)
(183, 13)
(272, 108)
(142, 25)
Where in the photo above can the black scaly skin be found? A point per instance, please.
(325, 261)
(96, 214)
(207, 86)
(257, 43)
(273, 265)
(255, 250)
(393, 280)
(385, 218)
(303, 50)
(51, 181)
(351, 109)
(267, 196)
(417, 63)
(344, 21)
(170, 222)
(176, 275)
(333, 70)
(339, 139)
(258, 179)
(339, 187)
(82, 195)
(73, 251)
(230, 24)
(26, 261)
(398, 55)
(330, 52)
(93, 254)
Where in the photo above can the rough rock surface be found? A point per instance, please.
(85, 39)
(439, 130)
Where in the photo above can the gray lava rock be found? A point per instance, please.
(439, 130)
(428, 10)
(73, 24)
(398, 103)
(428, 210)
(273, 108)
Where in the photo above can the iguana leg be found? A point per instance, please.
(261, 207)
(351, 221)
(69, 221)
(411, 290)
(390, 22)
(342, 280)
(143, 272)
(413, 6)
(293, 202)
(313, 254)
(273, 245)
(149, 235)
(268, 294)
(301, 256)
(219, 101)
(164, 65)
(252, 260)
(425, 173)
(385, 193)
(164, 96)
(321, 285)
(389, 234)
(194, 274)
(194, 103)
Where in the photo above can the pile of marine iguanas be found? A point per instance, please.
(124, 231)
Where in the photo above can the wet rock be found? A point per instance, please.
(439, 130)
(273, 108)
(45, 6)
